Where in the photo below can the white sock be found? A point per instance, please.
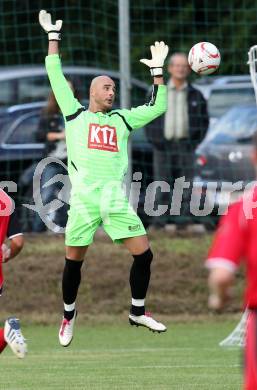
(138, 302)
(70, 307)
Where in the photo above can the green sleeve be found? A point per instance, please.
(61, 89)
(140, 116)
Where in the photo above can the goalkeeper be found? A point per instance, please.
(97, 160)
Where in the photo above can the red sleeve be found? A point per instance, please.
(6, 204)
(228, 246)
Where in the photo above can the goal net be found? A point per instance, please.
(237, 337)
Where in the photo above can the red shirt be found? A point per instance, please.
(6, 205)
(236, 241)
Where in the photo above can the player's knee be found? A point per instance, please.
(144, 259)
(73, 265)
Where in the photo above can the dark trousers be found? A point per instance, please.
(48, 194)
(175, 161)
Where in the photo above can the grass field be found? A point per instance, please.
(117, 357)
(178, 280)
(121, 357)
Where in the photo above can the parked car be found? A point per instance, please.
(19, 148)
(223, 157)
(224, 92)
(26, 84)
(18, 144)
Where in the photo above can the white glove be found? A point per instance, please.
(6, 252)
(159, 53)
(53, 30)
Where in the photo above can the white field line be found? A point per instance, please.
(138, 350)
(146, 367)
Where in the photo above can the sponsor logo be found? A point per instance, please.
(102, 138)
(134, 228)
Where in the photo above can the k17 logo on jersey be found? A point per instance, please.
(102, 138)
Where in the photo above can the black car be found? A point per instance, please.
(18, 145)
(222, 160)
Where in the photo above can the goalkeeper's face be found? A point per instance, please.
(102, 93)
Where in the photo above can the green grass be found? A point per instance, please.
(121, 357)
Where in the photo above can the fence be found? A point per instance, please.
(90, 46)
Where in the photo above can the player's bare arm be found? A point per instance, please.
(224, 256)
(11, 251)
(55, 136)
(220, 282)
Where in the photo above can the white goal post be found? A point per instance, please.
(252, 62)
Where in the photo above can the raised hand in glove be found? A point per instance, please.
(53, 30)
(159, 53)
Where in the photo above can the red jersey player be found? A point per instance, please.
(10, 228)
(236, 241)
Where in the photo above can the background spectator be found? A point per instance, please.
(176, 134)
(52, 132)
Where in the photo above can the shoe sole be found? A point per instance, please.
(134, 323)
(65, 346)
(17, 354)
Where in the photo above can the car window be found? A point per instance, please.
(237, 124)
(36, 88)
(82, 85)
(4, 121)
(32, 89)
(24, 131)
(221, 100)
(7, 93)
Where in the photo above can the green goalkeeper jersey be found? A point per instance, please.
(97, 142)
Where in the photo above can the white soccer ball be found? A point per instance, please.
(204, 58)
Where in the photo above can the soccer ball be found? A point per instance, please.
(204, 58)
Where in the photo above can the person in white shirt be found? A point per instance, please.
(176, 134)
